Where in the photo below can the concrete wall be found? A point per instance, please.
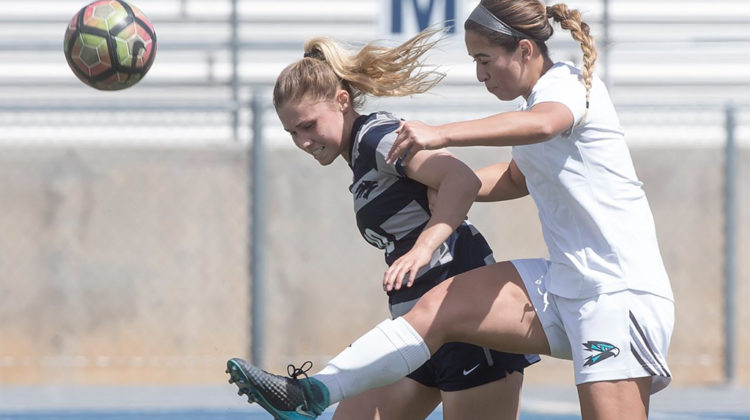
(121, 265)
(130, 265)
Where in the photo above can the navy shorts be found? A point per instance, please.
(459, 366)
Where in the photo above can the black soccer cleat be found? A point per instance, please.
(285, 398)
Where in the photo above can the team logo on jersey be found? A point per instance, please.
(365, 188)
(601, 351)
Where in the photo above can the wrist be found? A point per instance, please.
(426, 245)
(445, 137)
(432, 237)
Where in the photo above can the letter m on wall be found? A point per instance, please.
(412, 16)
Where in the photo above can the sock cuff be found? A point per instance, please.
(383, 355)
(405, 338)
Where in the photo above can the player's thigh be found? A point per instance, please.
(625, 399)
(403, 400)
(498, 400)
(487, 306)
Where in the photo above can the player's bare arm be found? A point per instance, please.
(541, 123)
(456, 186)
(501, 181)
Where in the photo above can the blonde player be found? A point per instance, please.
(316, 100)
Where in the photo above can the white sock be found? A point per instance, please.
(385, 354)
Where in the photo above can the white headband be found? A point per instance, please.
(485, 18)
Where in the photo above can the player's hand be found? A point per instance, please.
(414, 136)
(406, 268)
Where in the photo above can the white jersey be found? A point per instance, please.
(595, 218)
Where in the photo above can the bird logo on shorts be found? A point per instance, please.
(601, 351)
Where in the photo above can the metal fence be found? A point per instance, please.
(166, 227)
(211, 52)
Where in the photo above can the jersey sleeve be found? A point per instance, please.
(380, 140)
(563, 85)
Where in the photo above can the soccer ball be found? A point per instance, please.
(110, 45)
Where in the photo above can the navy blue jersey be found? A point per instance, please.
(392, 209)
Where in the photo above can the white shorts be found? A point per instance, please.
(610, 336)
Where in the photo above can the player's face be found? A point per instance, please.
(500, 71)
(317, 127)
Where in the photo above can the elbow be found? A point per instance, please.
(543, 130)
(460, 183)
(521, 189)
(477, 185)
(473, 185)
(464, 187)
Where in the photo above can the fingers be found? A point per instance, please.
(400, 146)
(405, 145)
(396, 144)
(387, 282)
(406, 269)
(393, 279)
(402, 151)
(412, 277)
(407, 155)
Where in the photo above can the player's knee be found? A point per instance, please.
(426, 317)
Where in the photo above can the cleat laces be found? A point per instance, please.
(294, 372)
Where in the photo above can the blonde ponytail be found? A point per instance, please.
(373, 70)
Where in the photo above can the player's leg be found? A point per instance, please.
(625, 399)
(405, 399)
(498, 400)
(619, 344)
(479, 383)
(487, 306)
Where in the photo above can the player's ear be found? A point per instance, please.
(527, 48)
(342, 99)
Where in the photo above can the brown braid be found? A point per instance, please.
(571, 20)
